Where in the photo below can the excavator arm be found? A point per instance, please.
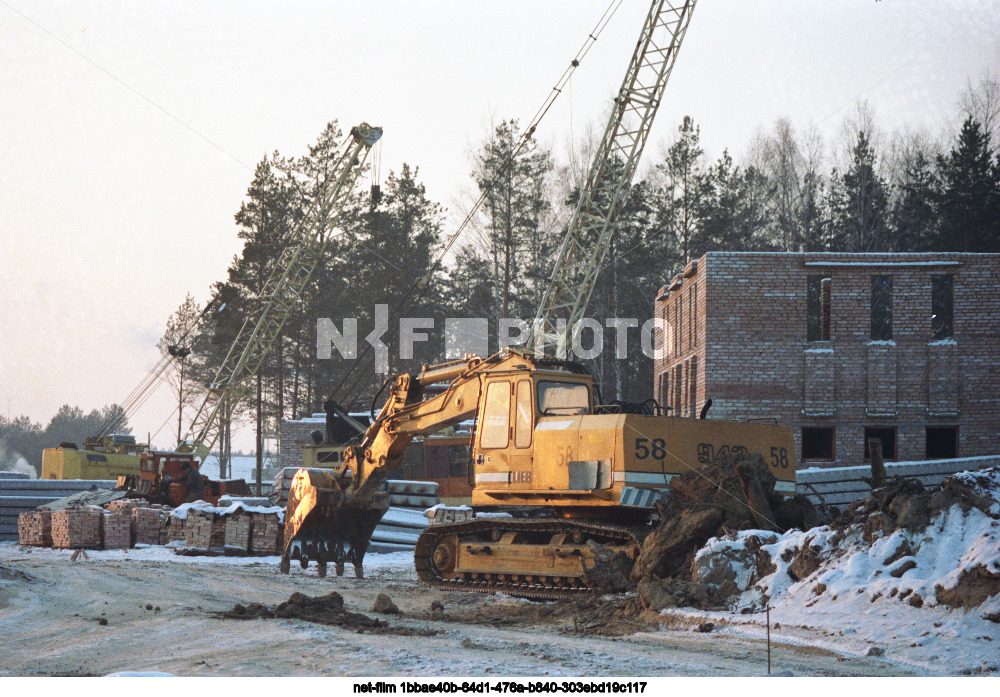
(331, 514)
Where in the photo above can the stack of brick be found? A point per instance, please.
(128, 506)
(204, 530)
(35, 528)
(238, 532)
(117, 529)
(151, 524)
(76, 528)
(175, 529)
(268, 534)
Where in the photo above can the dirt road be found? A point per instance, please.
(158, 615)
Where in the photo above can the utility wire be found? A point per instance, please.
(127, 86)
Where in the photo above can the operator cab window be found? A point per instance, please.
(565, 398)
(496, 416)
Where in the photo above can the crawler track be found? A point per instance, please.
(507, 572)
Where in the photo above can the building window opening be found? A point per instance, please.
(942, 306)
(942, 443)
(817, 443)
(888, 438)
(818, 308)
(881, 308)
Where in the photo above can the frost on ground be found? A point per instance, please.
(911, 573)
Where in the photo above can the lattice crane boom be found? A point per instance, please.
(281, 291)
(587, 239)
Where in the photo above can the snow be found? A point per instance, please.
(883, 263)
(182, 510)
(140, 674)
(943, 342)
(882, 342)
(982, 460)
(861, 605)
(393, 561)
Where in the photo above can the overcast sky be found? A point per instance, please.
(129, 130)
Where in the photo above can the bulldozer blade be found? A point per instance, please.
(323, 524)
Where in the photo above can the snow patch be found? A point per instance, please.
(865, 592)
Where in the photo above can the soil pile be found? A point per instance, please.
(727, 496)
(324, 609)
(937, 546)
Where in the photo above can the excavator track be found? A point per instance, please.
(547, 558)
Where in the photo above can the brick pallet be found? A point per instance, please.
(267, 534)
(129, 507)
(238, 533)
(35, 529)
(175, 529)
(204, 530)
(77, 528)
(117, 532)
(151, 524)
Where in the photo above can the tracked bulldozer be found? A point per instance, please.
(558, 479)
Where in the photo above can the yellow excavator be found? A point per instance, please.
(564, 474)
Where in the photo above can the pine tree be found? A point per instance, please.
(914, 214)
(508, 229)
(684, 190)
(860, 203)
(969, 200)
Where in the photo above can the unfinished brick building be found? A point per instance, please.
(842, 347)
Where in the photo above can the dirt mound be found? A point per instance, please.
(726, 496)
(905, 503)
(9, 574)
(324, 609)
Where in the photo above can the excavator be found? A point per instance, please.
(559, 480)
(564, 472)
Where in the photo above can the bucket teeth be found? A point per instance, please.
(323, 523)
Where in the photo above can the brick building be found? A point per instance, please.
(842, 347)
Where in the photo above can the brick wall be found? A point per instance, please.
(292, 435)
(750, 354)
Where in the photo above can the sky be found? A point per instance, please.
(129, 131)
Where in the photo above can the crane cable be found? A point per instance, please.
(423, 284)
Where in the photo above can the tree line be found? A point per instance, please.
(20, 436)
(790, 191)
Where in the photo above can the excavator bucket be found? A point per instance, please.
(325, 523)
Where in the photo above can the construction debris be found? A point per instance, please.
(723, 497)
(938, 546)
(384, 605)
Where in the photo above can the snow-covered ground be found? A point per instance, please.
(395, 561)
(878, 595)
(243, 467)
